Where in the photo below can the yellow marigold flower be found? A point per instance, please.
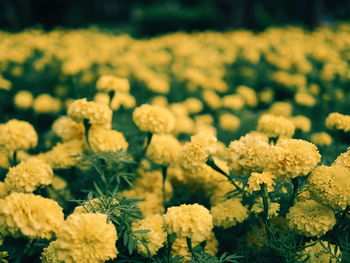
(5, 84)
(292, 158)
(193, 105)
(184, 124)
(266, 95)
(338, 121)
(194, 154)
(104, 140)
(112, 83)
(305, 99)
(28, 175)
(249, 154)
(234, 102)
(58, 183)
(189, 221)
(229, 122)
(343, 159)
(163, 149)
(4, 160)
(64, 155)
(153, 119)
(17, 135)
(212, 99)
(30, 215)
(275, 126)
(319, 252)
(45, 103)
(49, 254)
(281, 108)
(256, 179)
(86, 238)
(154, 239)
(97, 114)
(160, 101)
(102, 98)
(330, 185)
(152, 204)
(321, 138)
(123, 99)
(258, 208)
(23, 99)
(248, 94)
(68, 129)
(301, 122)
(229, 213)
(310, 218)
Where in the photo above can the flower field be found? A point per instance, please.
(203, 147)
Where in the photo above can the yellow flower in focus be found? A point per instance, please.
(321, 138)
(249, 154)
(104, 140)
(330, 185)
(275, 126)
(45, 103)
(30, 215)
(229, 122)
(154, 239)
(229, 213)
(189, 221)
(68, 129)
(305, 99)
(319, 252)
(28, 175)
(292, 158)
(163, 149)
(343, 159)
(256, 179)
(97, 114)
(154, 119)
(338, 121)
(17, 135)
(23, 99)
(86, 237)
(310, 218)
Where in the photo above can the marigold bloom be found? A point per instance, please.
(301, 122)
(154, 239)
(281, 108)
(330, 185)
(321, 138)
(256, 179)
(229, 122)
(310, 218)
(249, 95)
(338, 121)
(229, 213)
(258, 207)
(305, 99)
(292, 158)
(249, 154)
(163, 149)
(103, 140)
(30, 215)
(86, 237)
(28, 175)
(343, 159)
(45, 103)
(97, 114)
(275, 126)
(68, 129)
(154, 119)
(17, 135)
(112, 83)
(189, 221)
(23, 99)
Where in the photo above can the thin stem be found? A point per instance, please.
(87, 126)
(13, 160)
(170, 241)
(265, 199)
(190, 248)
(295, 183)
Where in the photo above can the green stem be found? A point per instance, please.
(295, 183)
(190, 248)
(265, 199)
(87, 126)
(13, 160)
(170, 241)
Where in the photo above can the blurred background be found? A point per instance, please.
(151, 17)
